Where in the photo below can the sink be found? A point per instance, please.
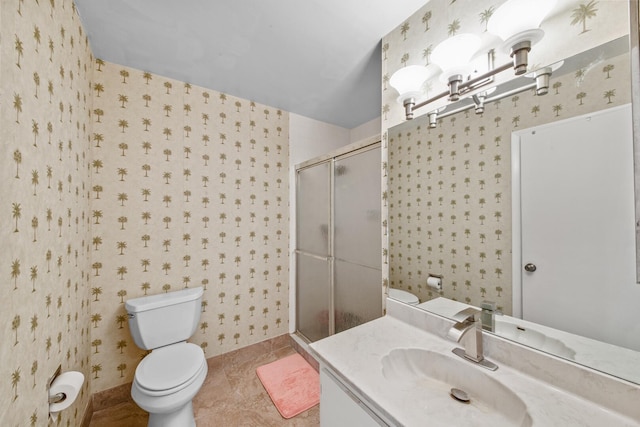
(432, 375)
(533, 338)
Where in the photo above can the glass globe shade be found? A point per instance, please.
(453, 55)
(518, 16)
(408, 81)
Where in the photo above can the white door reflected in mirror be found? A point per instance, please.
(577, 222)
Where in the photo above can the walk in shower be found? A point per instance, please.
(338, 242)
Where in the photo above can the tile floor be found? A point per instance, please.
(232, 395)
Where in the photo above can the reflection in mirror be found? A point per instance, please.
(449, 200)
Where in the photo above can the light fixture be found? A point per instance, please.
(542, 77)
(517, 23)
(433, 117)
(542, 80)
(453, 56)
(479, 98)
(408, 82)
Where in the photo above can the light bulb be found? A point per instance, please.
(515, 17)
(453, 55)
(517, 22)
(408, 81)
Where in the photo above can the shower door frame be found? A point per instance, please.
(329, 158)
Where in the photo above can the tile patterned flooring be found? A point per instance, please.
(232, 394)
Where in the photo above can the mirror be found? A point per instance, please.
(449, 200)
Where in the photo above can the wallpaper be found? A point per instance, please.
(45, 102)
(447, 191)
(189, 188)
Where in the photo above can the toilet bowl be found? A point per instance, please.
(403, 296)
(166, 381)
(168, 378)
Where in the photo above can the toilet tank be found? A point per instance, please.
(163, 319)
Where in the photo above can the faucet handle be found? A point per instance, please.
(489, 310)
(490, 306)
(468, 314)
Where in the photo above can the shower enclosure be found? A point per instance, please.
(338, 242)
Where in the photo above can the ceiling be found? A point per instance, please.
(315, 58)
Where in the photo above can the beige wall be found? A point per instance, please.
(45, 103)
(312, 138)
(448, 199)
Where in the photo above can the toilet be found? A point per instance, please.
(403, 296)
(169, 377)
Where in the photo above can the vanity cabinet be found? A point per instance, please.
(339, 406)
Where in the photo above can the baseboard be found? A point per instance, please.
(88, 412)
(111, 397)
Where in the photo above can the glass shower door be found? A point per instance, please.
(357, 238)
(313, 266)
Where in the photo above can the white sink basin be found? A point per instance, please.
(433, 375)
(533, 338)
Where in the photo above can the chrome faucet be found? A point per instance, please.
(468, 331)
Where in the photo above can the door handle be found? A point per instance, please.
(530, 268)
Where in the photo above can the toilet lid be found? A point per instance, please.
(169, 367)
(403, 296)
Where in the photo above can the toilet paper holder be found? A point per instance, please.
(434, 281)
(62, 390)
(58, 397)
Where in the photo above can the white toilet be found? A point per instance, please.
(169, 377)
(403, 296)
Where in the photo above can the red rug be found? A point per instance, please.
(292, 384)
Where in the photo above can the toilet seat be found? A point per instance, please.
(403, 296)
(170, 369)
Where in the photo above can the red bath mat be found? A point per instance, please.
(292, 384)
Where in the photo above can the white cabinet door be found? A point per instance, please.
(341, 408)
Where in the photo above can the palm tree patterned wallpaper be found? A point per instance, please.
(189, 188)
(119, 183)
(448, 194)
(45, 102)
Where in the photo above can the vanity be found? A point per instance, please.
(399, 370)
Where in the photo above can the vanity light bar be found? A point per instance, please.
(516, 22)
(486, 100)
(465, 85)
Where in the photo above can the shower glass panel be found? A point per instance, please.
(357, 208)
(312, 255)
(358, 295)
(357, 239)
(313, 205)
(314, 297)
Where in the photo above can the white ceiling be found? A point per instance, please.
(315, 58)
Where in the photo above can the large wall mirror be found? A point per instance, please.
(450, 214)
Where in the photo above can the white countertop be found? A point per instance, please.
(356, 355)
